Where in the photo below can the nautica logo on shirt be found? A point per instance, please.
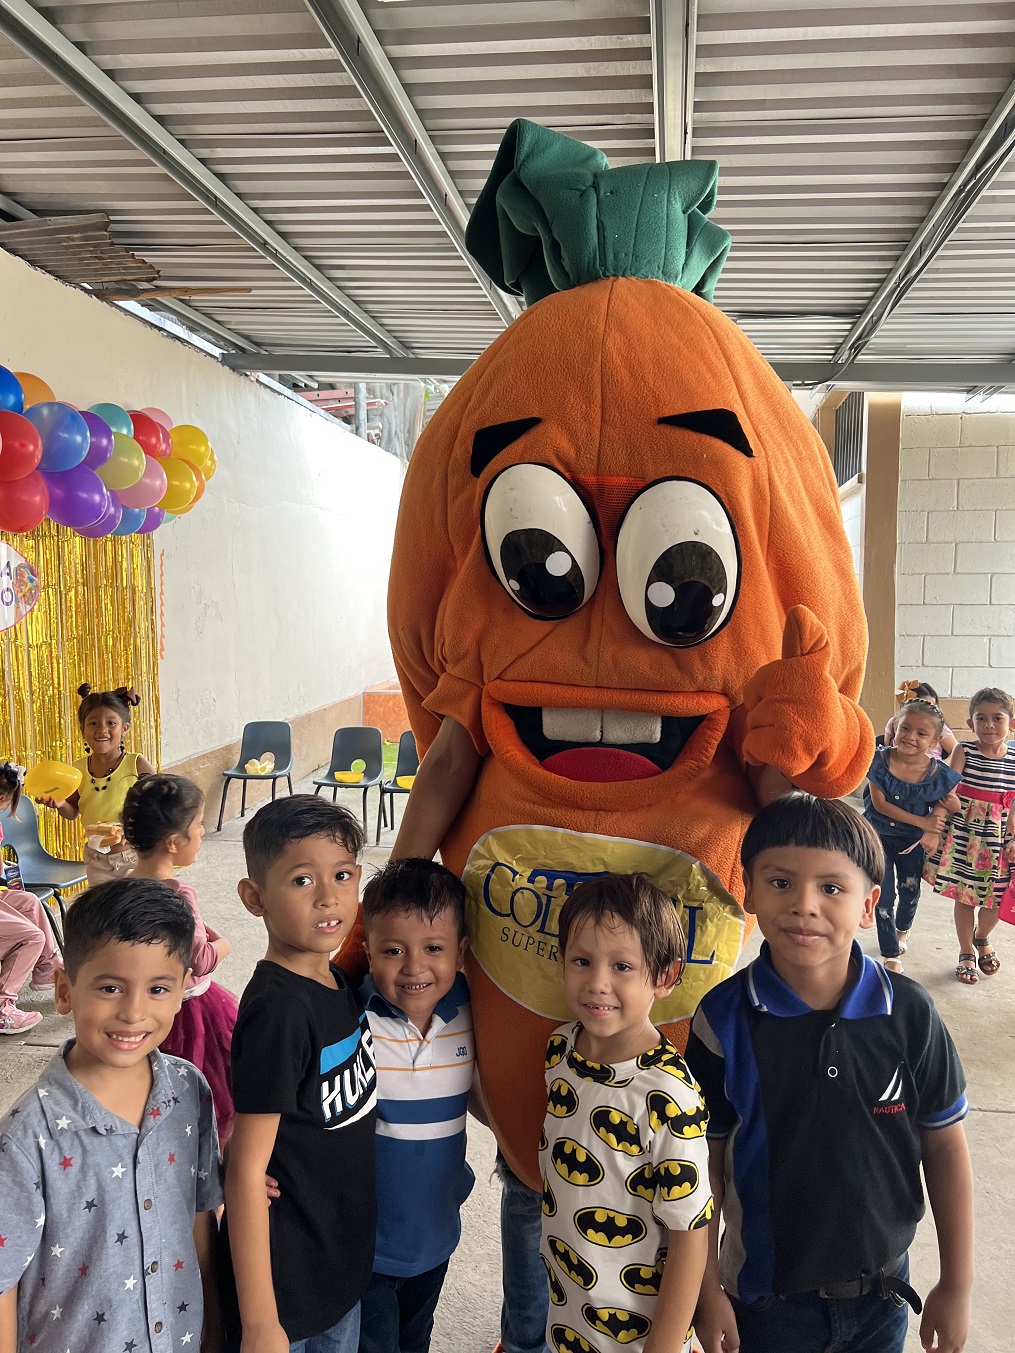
(348, 1079)
(891, 1100)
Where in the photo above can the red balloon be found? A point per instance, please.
(24, 503)
(20, 447)
(167, 441)
(147, 433)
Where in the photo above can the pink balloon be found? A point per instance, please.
(148, 489)
(160, 417)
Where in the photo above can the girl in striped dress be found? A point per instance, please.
(977, 851)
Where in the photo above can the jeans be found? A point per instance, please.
(526, 1304)
(341, 1338)
(890, 918)
(396, 1314)
(807, 1323)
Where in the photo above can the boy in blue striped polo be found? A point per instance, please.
(417, 1003)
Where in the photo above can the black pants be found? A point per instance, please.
(396, 1314)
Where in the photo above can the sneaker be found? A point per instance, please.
(15, 1021)
(43, 982)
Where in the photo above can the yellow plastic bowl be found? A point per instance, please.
(52, 780)
(348, 777)
(405, 781)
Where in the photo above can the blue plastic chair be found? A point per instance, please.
(45, 875)
(269, 735)
(406, 764)
(349, 745)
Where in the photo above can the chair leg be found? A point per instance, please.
(222, 805)
(290, 779)
(274, 788)
(317, 791)
(365, 823)
(243, 801)
(51, 918)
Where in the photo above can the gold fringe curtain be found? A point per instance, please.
(95, 621)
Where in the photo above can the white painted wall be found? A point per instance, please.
(851, 501)
(275, 584)
(956, 562)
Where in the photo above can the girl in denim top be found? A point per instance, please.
(907, 797)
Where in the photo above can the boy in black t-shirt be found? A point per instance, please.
(305, 1086)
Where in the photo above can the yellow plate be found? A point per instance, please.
(405, 781)
(348, 777)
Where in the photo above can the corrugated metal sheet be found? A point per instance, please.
(836, 126)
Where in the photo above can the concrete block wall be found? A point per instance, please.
(955, 573)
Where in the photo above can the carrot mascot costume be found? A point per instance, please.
(620, 566)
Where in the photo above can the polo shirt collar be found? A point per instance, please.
(62, 1097)
(869, 995)
(445, 1010)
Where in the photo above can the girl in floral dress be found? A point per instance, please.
(977, 850)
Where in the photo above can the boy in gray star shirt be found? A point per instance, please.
(110, 1162)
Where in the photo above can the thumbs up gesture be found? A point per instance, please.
(797, 719)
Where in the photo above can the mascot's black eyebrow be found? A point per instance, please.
(722, 424)
(491, 441)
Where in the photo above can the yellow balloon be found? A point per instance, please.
(201, 482)
(52, 780)
(125, 466)
(36, 390)
(211, 466)
(181, 484)
(190, 443)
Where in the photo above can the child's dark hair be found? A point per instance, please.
(119, 701)
(927, 707)
(158, 806)
(419, 888)
(635, 901)
(277, 825)
(817, 824)
(11, 779)
(927, 692)
(992, 695)
(133, 911)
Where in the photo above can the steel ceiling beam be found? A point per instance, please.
(47, 46)
(983, 161)
(348, 31)
(673, 26)
(882, 375)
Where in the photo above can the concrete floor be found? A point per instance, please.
(981, 1019)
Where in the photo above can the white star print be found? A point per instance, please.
(203, 1174)
(40, 1221)
(186, 1338)
(63, 1123)
(193, 1172)
(118, 1170)
(56, 1251)
(42, 1141)
(181, 1071)
(128, 1284)
(43, 1093)
(190, 1129)
(56, 1312)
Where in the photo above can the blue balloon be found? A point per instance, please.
(12, 397)
(64, 436)
(130, 521)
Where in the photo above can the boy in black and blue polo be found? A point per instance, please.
(829, 1082)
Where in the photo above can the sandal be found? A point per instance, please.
(903, 937)
(988, 964)
(892, 964)
(966, 970)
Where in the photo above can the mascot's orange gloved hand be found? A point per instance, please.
(797, 719)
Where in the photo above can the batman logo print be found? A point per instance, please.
(572, 1265)
(612, 1230)
(557, 1294)
(641, 1183)
(641, 1280)
(555, 1050)
(549, 1202)
(623, 1326)
(704, 1216)
(617, 1130)
(575, 1162)
(676, 1179)
(664, 1111)
(566, 1340)
(561, 1100)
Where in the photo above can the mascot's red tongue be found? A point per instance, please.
(600, 765)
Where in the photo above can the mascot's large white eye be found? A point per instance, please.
(540, 541)
(678, 562)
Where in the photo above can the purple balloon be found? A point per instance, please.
(100, 444)
(107, 523)
(64, 436)
(77, 497)
(153, 519)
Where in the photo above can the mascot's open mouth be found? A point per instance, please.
(601, 745)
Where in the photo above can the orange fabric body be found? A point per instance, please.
(600, 366)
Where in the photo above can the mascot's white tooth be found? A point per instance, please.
(622, 726)
(572, 725)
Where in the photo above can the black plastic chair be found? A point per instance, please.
(269, 735)
(349, 745)
(45, 875)
(406, 764)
